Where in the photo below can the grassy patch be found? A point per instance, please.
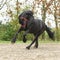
(49, 41)
(40, 41)
(5, 42)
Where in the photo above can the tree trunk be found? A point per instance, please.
(56, 23)
(44, 16)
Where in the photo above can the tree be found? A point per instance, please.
(45, 7)
(56, 14)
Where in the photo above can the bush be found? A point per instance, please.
(7, 33)
(57, 35)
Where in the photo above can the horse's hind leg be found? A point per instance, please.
(36, 37)
(36, 44)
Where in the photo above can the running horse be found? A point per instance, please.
(31, 25)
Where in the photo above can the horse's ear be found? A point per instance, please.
(29, 13)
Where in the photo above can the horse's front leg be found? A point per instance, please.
(24, 38)
(15, 36)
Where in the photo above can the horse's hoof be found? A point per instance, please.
(24, 40)
(12, 42)
(35, 46)
(28, 48)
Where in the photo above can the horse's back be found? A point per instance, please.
(37, 25)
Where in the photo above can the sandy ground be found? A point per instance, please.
(19, 52)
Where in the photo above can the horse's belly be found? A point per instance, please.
(34, 30)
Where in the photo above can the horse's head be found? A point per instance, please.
(26, 14)
(24, 17)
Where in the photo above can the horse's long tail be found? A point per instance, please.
(50, 33)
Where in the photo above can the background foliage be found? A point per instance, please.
(12, 11)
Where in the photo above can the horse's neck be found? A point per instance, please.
(31, 18)
(29, 22)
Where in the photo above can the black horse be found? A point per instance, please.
(31, 25)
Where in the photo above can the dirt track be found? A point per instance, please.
(19, 52)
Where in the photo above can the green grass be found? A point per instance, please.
(40, 41)
(8, 42)
(49, 41)
(5, 42)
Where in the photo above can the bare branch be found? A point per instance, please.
(3, 4)
(49, 4)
